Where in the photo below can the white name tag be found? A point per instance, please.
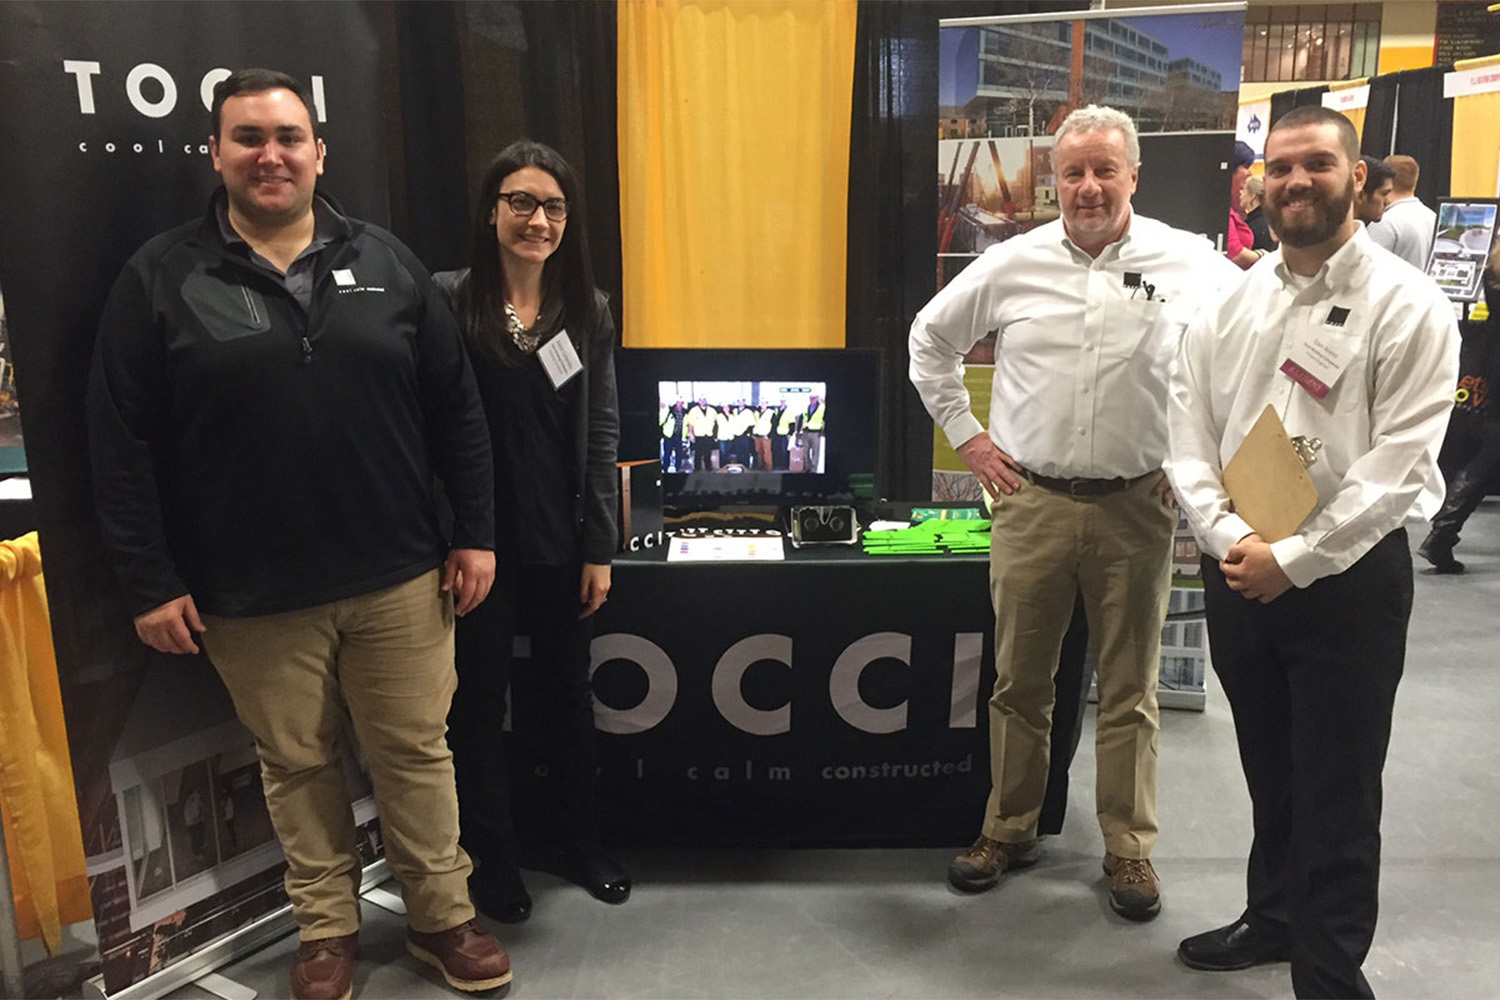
(559, 359)
(343, 276)
(1317, 362)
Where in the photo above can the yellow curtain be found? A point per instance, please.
(1476, 139)
(42, 833)
(1355, 115)
(734, 171)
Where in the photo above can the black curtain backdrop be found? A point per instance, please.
(548, 71)
(1424, 129)
(1410, 102)
(1380, 117)
(893, 206)
(475, 77)
(1285, 100)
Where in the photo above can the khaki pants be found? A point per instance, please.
(388, 657)
(1116, 550)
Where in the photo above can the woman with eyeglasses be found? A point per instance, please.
(542, 343)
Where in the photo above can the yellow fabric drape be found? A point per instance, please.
(734, 171)
(42, 833)
(1355, 115)
(1476, 139)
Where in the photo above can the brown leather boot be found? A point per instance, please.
(1134, 889)
(469, 957)
(981, 865)
(324, 969)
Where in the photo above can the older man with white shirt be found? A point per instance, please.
(1087, 310)
(1308, 632)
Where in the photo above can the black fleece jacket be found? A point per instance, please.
(264, 458)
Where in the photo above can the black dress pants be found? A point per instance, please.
(1311, 680)
(1470, 460)
(540, 602)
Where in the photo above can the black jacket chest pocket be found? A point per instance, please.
(227, 310)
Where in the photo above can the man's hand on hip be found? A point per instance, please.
(1162, 490)
(994, 467)
(1251, 570)
(169, 628)
(468, 574)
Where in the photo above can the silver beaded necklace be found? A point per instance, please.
(526, 341)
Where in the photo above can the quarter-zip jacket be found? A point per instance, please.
(266, 458)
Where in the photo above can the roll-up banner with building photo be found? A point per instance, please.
(1005, 86)
(104, 131)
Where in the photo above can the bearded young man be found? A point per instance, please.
(1308, 633)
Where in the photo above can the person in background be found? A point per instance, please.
(1251, 197)
(786, 429)
(727, 429)
(1241, 244)
(542, 342)
(1408, 226)
(1308, 632)
(1470, 459)
(813, 424)
(702, 427)
(1370, 199)
(760, 431)
(275, 388)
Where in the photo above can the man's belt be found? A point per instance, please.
(1082, 487)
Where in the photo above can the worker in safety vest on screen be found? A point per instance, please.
(702, 421)
(765, 422)
(812, 435)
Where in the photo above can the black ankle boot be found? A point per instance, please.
(499, 893)
(1438, 550)
(601, 875)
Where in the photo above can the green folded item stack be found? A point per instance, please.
(930, 537)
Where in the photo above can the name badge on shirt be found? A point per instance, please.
(559, 359)
(1319, 359)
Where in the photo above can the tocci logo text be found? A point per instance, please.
(843, 682)
(152, 92)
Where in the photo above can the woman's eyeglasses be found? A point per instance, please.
(524, 205)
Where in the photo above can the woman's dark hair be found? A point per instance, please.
(567, 277)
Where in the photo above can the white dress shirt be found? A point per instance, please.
(1406, 230)
(1084, 345)
(1381, 422)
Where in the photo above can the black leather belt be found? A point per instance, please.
(1081, 487)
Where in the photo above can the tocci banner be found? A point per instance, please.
(104, 128)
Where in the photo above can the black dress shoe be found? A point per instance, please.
(1237, 946)
(601, 876)
(499, 893)
(1438, 551)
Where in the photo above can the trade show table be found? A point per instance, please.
(832, 698)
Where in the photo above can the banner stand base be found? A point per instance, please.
(221, 986)
(385, 899)
(202, 963)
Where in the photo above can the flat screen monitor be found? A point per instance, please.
(1465, 235)
(752, 426)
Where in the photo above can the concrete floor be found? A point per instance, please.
(881, 923)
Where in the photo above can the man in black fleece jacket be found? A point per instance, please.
(275, 390)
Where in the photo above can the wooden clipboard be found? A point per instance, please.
(1268, 482)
